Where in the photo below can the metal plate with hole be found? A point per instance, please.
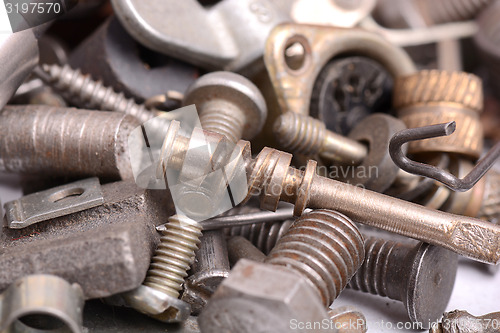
(52, 203)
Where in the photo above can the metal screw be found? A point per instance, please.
(421, 276)
(322, 248)
(306, 135)
(228, 104)
(82, 90)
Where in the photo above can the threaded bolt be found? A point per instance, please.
(445, 11)
(421, 276)
(306, 135)
(174, 255)
(324, 247)
(81, 90)
(263, 235)
(228, 104)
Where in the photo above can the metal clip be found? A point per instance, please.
(442, 176)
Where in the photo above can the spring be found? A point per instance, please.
(174, 255)
(323, 246)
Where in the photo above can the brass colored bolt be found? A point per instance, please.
(306, 135)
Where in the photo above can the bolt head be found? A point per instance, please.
(233, 88)
(255, 290)
(430, 284)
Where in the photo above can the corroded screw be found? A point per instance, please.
(306, 135)
(421, 276)
(311, 264)
(82, 90)
(228, 104)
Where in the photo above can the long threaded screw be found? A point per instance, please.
(421, 276)
(174, 256)
(324, 247)
(306, 135)
(82, 90)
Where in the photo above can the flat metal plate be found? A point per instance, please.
(52, 203)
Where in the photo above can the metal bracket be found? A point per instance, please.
(56, 202)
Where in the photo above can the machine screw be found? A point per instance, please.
(421, 276)
(322, 249)
(80, 89)
(306, 135)
(228, 104)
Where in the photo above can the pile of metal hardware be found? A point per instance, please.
(235, 165)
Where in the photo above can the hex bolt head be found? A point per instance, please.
(420, 276)
(229, 104)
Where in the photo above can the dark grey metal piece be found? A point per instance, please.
(420, 276)
(377, 171)
(417, 168)
(128, 67)
(241, 248)
(209, 269)
(105, 249)
(349, 89)
(53, 203)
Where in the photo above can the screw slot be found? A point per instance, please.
(66, 193)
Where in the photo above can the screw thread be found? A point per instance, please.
(174, 255)
(300, 134)
(229, 124)
(323, 246)
(372, 275)
(263, 235)
(82, 90)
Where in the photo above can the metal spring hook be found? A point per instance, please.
(442, 176)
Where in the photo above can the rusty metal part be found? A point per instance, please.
(305, 135)
(241, 248)
(72, 246)
(272, 294)
(294, 85)
(209, 269)
(490, 203)
(263, 235)
(420, 276)
(444, 177)
(348, 319)
(271, 177)
(52, 203)
(462, 322)
(323, 246)
(63, 141)
(434, 97)
(126, 66)
(37, 303)
(347, 90)
(317, 256)
(85, 92)
(228, 104)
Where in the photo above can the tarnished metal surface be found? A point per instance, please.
(72, 246)
(56, 202)
(46, 140)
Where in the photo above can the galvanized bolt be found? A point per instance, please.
(306, 135)
(322, 249)
(228, 104)
(82, 90)
(158, 296)
(421, 276)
